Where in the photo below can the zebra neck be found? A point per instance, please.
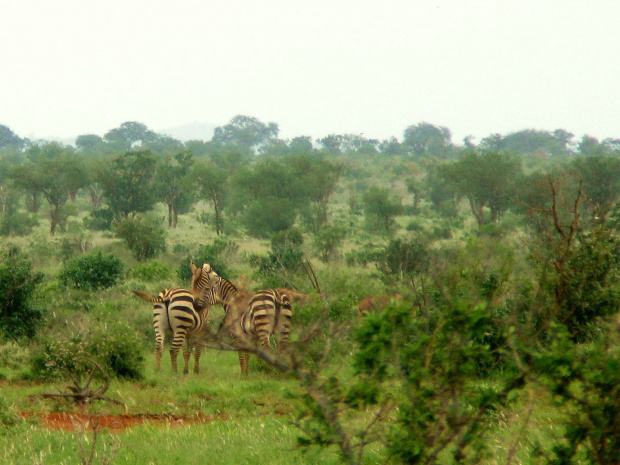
(227, 292)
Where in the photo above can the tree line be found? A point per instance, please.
(254, 180)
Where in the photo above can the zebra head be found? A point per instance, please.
(205, 284)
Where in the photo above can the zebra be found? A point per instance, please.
(294, 296)
(251, 317)
(175, 310)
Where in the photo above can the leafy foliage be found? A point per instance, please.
(128, 183)
(403, 259)
(283, 261)
(115, 347)
(143, 235)
(381, 208)
(150, 271)
(217, 253)
(585, 382)
(100, 220)
(18, 283)
(92, 271)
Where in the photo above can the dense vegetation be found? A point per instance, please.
(502, 349)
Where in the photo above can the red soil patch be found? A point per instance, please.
(79, 421)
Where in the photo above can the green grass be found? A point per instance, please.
(257, 425)
(254, 439)
(254, 421)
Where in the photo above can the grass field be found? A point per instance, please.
(218, 416)
(226, 419)
(251, 419)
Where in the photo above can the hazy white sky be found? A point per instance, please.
(72, 67)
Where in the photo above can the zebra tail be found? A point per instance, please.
(145, 296)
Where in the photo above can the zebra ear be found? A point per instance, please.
(206, 267)
(192, 266)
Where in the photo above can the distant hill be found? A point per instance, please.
(191, 131)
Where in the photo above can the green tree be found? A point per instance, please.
(427, 140)
(578, 264)
(403, 259)
(301, 145)
(486, 179)
(245, 133)
(331, 144)
(93, 145)
(212, 186)
(316, 180)
(589, 146)
(129, 183)
(199, 148)
(172, 183)
(531, 141)
(327, 241)
(13, 221)
(391, 146)
(129, 135)
(601, 183)
(380, 209)
(132, 135)
(441, 191)
(268, 197)
(11, 142)
(56, 178)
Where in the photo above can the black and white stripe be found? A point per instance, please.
(251, 317)
(175, 311)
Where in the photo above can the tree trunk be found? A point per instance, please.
(54, 215)
(478, 212)
(218, 229)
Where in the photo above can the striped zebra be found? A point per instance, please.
(251, 317)
(174, 311)
(294, 296)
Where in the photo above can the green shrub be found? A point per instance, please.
(217, 254)
(585, 382)
(99, 220)
(283, 261)
(13, 355)
(7, 416)
(403, 258)
(327, 241)
(144, 236)
(151, 271)
(14, 222)
(117, 349)
(17, 284)
(92, 272)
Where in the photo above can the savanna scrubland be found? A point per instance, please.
(500, 345)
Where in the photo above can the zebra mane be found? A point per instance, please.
(207, 283)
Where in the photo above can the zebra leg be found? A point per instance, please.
(159, 350)
(174, 352)
(159, 347)
(244, 359)
(197, 350)
(178, 340)
(186, 355)
(283, 324)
